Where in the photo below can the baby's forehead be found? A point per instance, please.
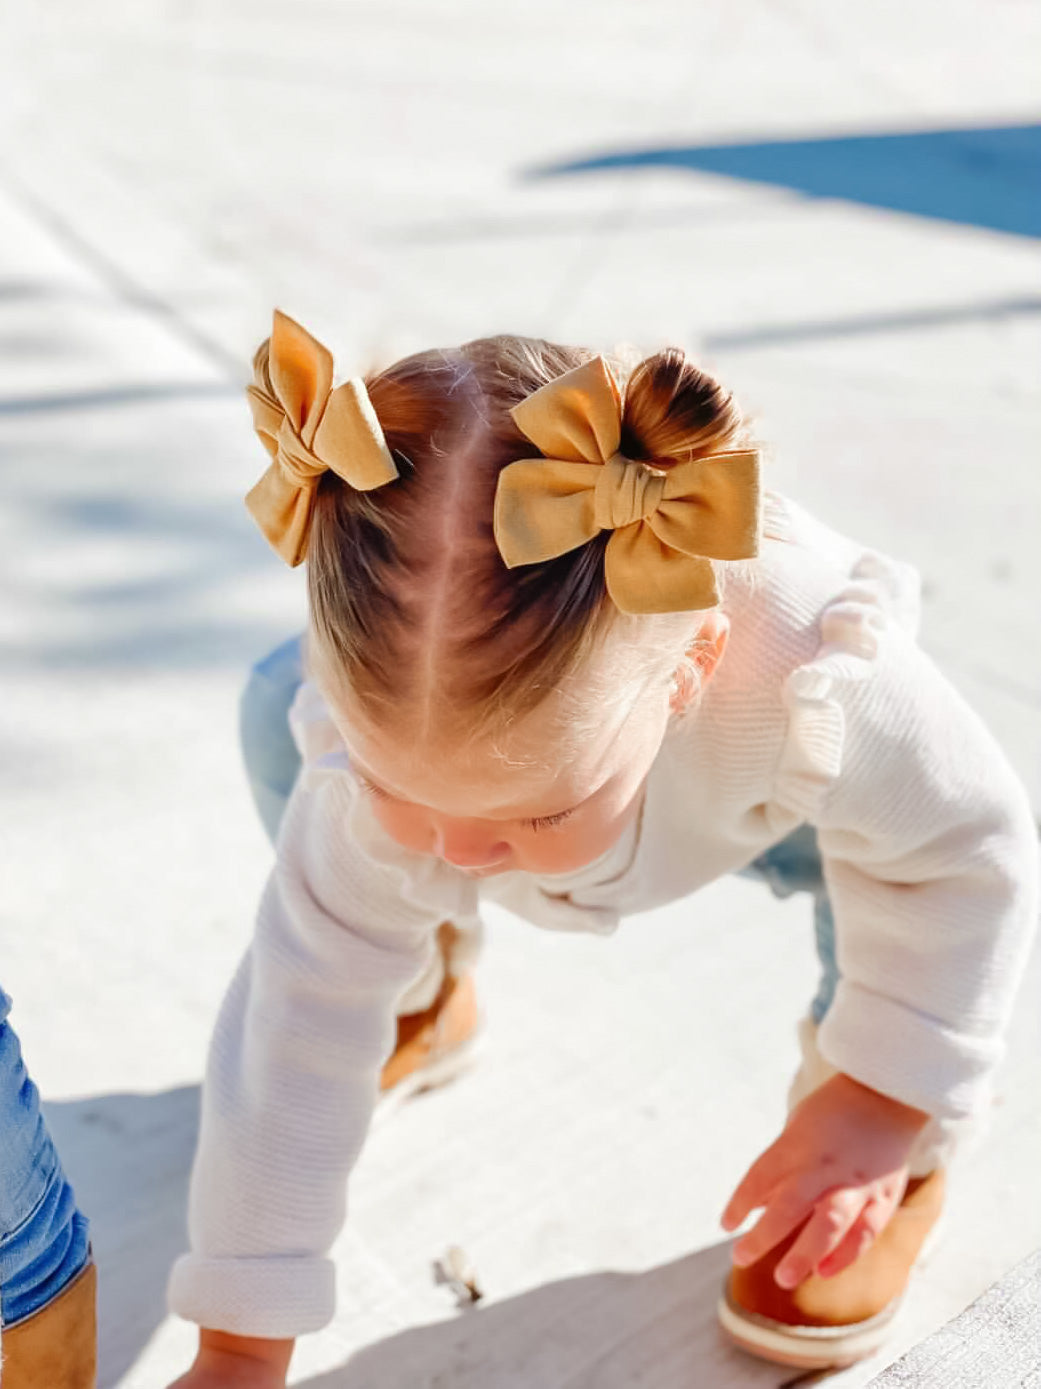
(512, 769)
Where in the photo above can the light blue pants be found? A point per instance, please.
(43, 1237)
(272, 763)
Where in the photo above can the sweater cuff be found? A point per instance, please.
(909, 1056)
(275, 1297)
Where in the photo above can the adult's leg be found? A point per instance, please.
(44, 1238)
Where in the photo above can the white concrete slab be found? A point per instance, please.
(992, 1345)
(166, 177)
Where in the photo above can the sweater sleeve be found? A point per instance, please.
(929, 855)
(293, 1067)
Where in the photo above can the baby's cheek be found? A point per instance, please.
(550, 852)
(571, 847)
(404, 826)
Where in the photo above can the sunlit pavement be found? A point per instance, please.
(841, 218)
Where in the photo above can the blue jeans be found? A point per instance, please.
(43, 1237)
(272, 763)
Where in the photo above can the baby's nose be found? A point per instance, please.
(468, 848)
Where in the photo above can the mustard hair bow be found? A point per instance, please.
(667, 523)
(307, 428)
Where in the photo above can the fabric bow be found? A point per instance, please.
(307, 428)
(667, 523)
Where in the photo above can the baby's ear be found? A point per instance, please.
(708, 646)
(704, 652)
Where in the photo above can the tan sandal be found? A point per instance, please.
(832, 1322)
(434, 1046)
(440, 1042)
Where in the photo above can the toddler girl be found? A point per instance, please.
(564, 653)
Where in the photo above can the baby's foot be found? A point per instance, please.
(433, 1046)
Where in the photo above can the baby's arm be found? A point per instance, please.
(292, 1078)
(237, 1362)
(930, 860)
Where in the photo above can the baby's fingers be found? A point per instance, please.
(785, 1211)
(834, 1217)
(872, 1220)
(752, 1190)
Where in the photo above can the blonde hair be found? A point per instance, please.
(413, 613)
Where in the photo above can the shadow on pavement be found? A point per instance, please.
(129, 556)
(126, 461)
(985, 176)
(128, 1157)
(103, 398)
(599, 1331)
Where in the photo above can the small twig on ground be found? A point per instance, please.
(454, 1269)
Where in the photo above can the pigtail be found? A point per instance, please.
(674, 411)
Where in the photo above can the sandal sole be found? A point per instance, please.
(806, 1347)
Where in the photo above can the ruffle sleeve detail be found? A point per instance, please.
(880, 590)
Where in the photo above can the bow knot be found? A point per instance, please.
(296, 460)
(626, 492)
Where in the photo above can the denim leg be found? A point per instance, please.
(794, 865)
(44, 1239)
(270, 754)
(824, 934)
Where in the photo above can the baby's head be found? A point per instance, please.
(501, 717)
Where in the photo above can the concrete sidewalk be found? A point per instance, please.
(684, 174)
(146, 231)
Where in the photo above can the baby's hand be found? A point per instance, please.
(842, 1158)
(225, 1361)
(213, 1374)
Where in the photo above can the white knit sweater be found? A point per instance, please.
(823, 710)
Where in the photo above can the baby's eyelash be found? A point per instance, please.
(549, 822)
(539, 822)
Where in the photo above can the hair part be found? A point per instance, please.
(413, 613)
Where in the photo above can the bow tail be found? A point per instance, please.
(301, 373)
(282, 510)
(646, 576)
